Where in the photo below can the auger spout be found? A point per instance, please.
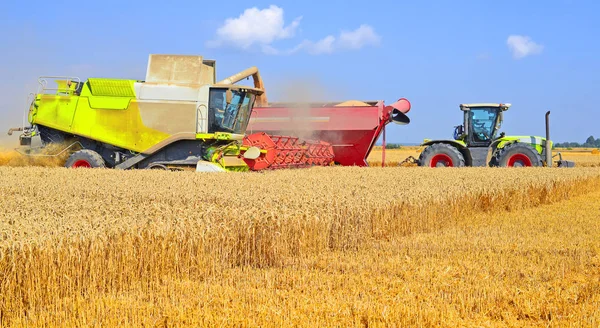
(261, 100)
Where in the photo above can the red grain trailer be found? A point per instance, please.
(351, 127)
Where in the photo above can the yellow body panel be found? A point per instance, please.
(121, 128)
(113, 120)
(56, 111)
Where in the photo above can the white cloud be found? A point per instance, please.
(522, 46)
(362, 36)
(261, 28)
(323, 46)
(353, 40)
(255, 26)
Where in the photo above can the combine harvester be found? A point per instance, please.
(180, 117)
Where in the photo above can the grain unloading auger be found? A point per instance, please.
(177, 117)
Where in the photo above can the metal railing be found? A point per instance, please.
(43, 82)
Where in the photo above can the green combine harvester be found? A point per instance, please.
(179, 117)
(477, 143)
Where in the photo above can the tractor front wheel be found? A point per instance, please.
(85, 159)
(441, 155)
(518, 155)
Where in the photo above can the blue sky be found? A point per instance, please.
(437, 54)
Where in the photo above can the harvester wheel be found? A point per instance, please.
(85, 158)
(156, 167)
(440, 155)
(517, 154)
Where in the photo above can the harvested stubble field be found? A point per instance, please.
(319, 247)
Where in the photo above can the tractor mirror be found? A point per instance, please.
(228, 96)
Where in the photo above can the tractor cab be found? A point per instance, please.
(481, 123)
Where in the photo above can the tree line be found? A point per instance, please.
(590, 142)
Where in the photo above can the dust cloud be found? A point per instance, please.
(11, 157)
(302, 93)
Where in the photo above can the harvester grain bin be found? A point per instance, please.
(177, 117)
(351, 127)
(477, 139)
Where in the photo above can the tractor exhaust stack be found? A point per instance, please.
(548, 147)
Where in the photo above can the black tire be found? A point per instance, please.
(441, 155)
(153, 166)
(517, 154)
(85, 158)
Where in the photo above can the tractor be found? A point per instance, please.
(477, 138)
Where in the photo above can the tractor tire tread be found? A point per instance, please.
(437, 148)
(509, 150)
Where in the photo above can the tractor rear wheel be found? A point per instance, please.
(85, 159)
(517, 154)
(441, 155)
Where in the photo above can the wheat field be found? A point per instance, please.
(339, 246)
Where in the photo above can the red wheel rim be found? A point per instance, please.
(81, 163)
(520, 159)
(442, 159)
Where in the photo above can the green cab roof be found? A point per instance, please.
(466, 107)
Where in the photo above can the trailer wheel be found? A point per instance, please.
(518, 154)
(440, 155)
(85, 159)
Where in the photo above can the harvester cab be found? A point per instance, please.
(477, 142)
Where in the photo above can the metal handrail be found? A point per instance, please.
(43, 82)
(30, 99)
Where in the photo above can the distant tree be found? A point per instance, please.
(568, 145)
(392, 146)
(590, 140)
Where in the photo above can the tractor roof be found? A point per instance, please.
(466, 107)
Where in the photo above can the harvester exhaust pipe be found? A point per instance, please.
(261, 100)
(10, 132)
(548, 147)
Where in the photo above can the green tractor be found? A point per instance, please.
(477, 143)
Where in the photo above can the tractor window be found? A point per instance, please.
(483, 123)
(232, 117)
